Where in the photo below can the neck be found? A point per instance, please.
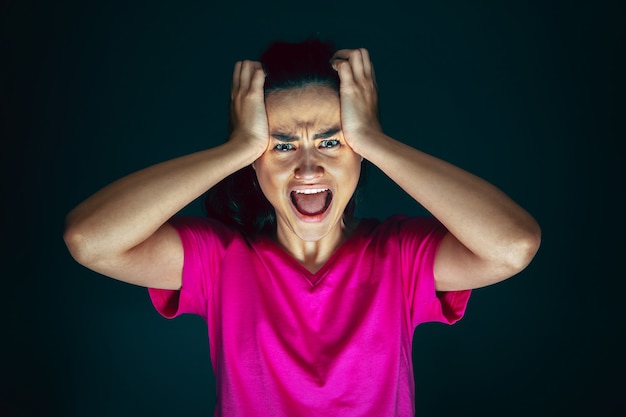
(314, 254)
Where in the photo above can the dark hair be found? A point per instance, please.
(238, 200)
(293, 65)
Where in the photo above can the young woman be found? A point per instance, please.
(310, 311)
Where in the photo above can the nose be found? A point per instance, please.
(308, 166)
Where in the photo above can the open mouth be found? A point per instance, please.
(311, 202)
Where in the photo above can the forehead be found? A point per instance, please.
(308, 106)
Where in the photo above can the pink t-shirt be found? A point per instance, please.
(286, 342)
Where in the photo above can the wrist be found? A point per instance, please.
(367, 143)
(240, 151)
(247, 145)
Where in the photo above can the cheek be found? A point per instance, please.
(349, 177)
(260, 168)
(355, 176)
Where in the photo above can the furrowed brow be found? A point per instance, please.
(284, 138)
(327, 134)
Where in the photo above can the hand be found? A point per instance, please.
(358, 96)
(248, 116)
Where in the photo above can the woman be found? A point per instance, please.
(310, 311)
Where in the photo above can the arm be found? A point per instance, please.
(121, 231)
(490, 237)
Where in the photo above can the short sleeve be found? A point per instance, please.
(420, 238)
(204, 243)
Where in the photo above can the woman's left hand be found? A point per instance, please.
(358, 96)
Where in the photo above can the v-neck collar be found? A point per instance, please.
(314, 278)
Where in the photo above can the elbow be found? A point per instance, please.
(77, 241)
(521, 250)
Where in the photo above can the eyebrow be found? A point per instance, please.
(322, 135)
(327, 134)
(284, 138)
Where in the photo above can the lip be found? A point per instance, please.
(318, 218)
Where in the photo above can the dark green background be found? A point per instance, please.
(524, 94)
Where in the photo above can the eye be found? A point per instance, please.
(283, 147)
(329, 143)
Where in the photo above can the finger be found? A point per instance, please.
(247, 67)
(341, 54)
(344, 69)
(374, 75)
(357, 61)
(236, 76)
(258, 78)
(367, 62)
(340, 62)
(248, 70)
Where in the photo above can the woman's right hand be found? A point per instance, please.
(248, 117)
(122, 230)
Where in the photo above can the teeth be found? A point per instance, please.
(311, 191)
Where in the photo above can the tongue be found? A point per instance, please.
(311, 204)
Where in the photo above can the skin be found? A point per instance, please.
(491, 238)
(122, 230)
(307, 150)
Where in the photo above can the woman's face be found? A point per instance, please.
(308, 172)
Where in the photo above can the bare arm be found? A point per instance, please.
(121, 231)
(490, 237)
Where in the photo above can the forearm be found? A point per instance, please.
(479, 215)
(128, 211)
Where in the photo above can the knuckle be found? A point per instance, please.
(342, 64)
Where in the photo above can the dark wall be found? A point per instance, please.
(524, 95)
